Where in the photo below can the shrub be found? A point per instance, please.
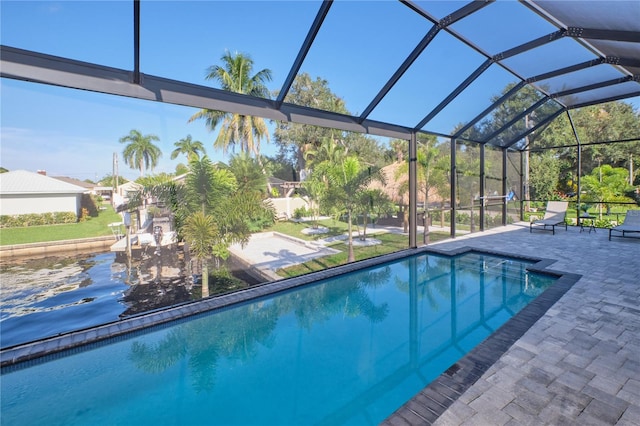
(263, 220)
(154, 211)
(301, 212)
(603, 223)
(37, 219)
(65, 217)
(89, 203)
(84, 215)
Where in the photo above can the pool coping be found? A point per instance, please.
(423, 408)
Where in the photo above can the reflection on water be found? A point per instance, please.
(347, 350)
(45, 297)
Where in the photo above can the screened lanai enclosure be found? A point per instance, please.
(483, 78)
(433, 112)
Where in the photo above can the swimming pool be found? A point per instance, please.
(345, 350)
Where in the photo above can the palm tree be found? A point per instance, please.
(206, 185)
(248, 173)
(214, 192)
(201, 235)
(140, 153)
(315, 187)
(235, 76)
(330, 149)
(372, 203)
(192, 149)
(348, 180)
(431, 165)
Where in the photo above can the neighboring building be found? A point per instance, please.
(92, 188)
(23, 192)
(127, 189)
(88, 187)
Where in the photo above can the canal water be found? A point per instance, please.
(45, 297)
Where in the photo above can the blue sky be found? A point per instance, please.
(75, 133)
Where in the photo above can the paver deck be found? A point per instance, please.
(579, 364)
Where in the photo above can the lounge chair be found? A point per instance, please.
(553, 216)
(631, 224)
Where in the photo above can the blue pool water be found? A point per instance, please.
(347, 350)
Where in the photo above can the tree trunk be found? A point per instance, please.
(405, 219)
(205, 279)
(364, 227)
(351, 257)
(425, 224)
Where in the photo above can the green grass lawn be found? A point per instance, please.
(390, 243)
(294, 229)
(94, 227)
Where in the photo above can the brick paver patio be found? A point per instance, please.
(577, 365)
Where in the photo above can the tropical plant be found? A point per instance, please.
(330, 149)
(234, 75)
(201, 234)
(213, 192)
(248, 173)
(399, 149)
(431, 170)
(295, 139)
(207, 184)
(190, 148)
(372, 204)
(544, 176)
(348, 179)
(140, 153)
(316, 189)
(181, 169)
(607, 183)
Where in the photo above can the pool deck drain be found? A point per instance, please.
(578, 364)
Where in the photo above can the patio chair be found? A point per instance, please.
(554, 216)
(630, 224)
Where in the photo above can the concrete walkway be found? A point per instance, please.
(580, 363)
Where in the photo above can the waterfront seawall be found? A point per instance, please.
(55, 248)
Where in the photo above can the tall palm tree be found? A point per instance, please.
(235, 76)
(140, 153)
(192, 149)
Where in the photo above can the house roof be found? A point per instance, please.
(24, 182)
(130, 186)
(76, 182)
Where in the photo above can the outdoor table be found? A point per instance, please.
(592, 226)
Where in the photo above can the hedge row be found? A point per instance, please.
(465, 219)
(34, 219)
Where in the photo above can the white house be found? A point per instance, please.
(23, 192)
